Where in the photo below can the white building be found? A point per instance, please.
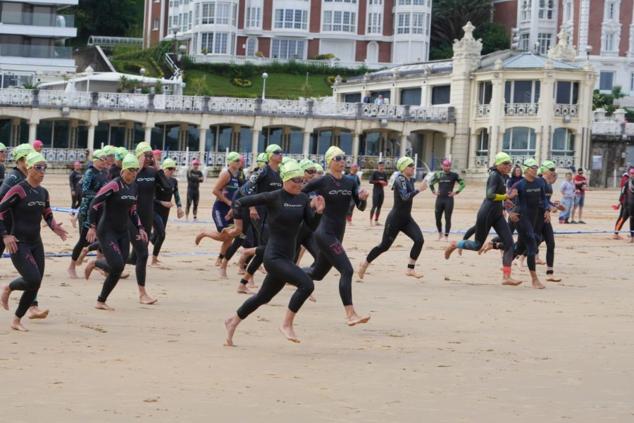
(32, 35)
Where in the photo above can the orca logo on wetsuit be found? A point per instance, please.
(275, 184)
(340, 192)
(293, 205)
(36, 203)
(150, 179)
(128, 197)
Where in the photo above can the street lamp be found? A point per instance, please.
(264, 76)
(175, 31)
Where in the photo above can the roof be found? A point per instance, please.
(110, 77)
(530, 60)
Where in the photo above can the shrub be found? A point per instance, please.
(330, 80)
(327, 56)
(242, 83)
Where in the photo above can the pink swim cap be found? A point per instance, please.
(446, 162)
(195, 162)
(77, 163)
(156, 152)
(38, 143)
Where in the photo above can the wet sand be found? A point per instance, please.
(454, 346)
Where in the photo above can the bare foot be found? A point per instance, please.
(72, 273)
(362, 268)
(252, 285)
(539, 261)
(218, 262)
(4, 298)
(453, 246)
(312, 298)
(222, 271)
(155, 262)
(537, 284)
(88, 270)
(439, 237)
(617, 236)
(486, 247)
(230, 327)
(289, 334)
(73, 220)
(355, 319)
(124, 276)
(36, 313)
(147, 300)
(17, 325)
(82, 255)
(243, 289)
(511, 282)
(103, 306)
(412, 273)
(553, 278)
(200, 237)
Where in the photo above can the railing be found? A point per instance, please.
(223, 105)
(483, 110)
(64, 155)
(36, 51)
(240, 60)
(563, 158)
(38, 19)
(566, 110)
(521, 109)
(105, 41)
(481, 161)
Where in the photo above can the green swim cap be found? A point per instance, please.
(168, 163)
(142, 148)
(21, 151)
(319, 168)
(502, 157)
(33, 158)
(262, 158)
(291, 170)
(306, 164)
(271, 149)
(120, 153)
(109, 150)
(404, 162)
(233, 157)
(2, 147)
(332, 152)
(547, 165)
(130, 162)
(285, 159)
(98, 154)
(530, 163)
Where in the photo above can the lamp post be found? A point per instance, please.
(264, 76)
(175, 31)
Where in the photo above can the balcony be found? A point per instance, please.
(36, 51)
(38, 24)
(483, 110)
(562, 110)
(224, 105)
(521, 109)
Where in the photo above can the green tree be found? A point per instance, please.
(494, 37)
(117, 18)
(606, 101)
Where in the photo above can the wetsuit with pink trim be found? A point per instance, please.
(28, 205)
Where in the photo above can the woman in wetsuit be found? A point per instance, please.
(491, 215)
(194, 179)
(400, 219)
(163, 205)
(111, 212)
(337, 191)
(446, 180)
(28, 203)
(286, 208)
(378, 181)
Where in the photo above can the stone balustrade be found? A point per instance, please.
(222, 105)
(521, 109)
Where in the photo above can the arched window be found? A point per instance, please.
(519, 141)
(482, 144)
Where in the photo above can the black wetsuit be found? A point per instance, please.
(147, 180)
(92, 181)
(14, 177)
(547, 234)
(28, 205)
(74, 180)
(285, 213)
(112, 211)
(531, 198)
(444, 202)
(194, 179)
(490, 216)
(114, 172)
(400, 220)
(161, 213)
(378, 181)
(628, 202)
(338, 194)
(2, 171)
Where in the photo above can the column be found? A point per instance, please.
(539, 138)
(255, 138)
(448, 142)
(32, 131)
(202, 143)
(473, 147)
(493, 143)
(72, 134)
(306, 144)
(128, 138)
(91, 138)
(579, 141)
(148, 134)
(403, 149)
(355, 147)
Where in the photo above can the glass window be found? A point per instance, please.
(253, 17)
(485, 91)
(563, 142)
(418, 23)
(291, 18)
(295, 142)
(544, 40)
(372, 142)
(375, 23)
(345, 142)
(606, 80)
(567, 92)
(440, 94)
(546, 9)
(519, 141)
(288, 49)
(352, 98)
(216, 43)
(244, 144)
(522, 91)
(252, 46)
(411, 96)
(483, 143)
(402, 23)
(524, 40)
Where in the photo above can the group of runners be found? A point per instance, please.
(283, 209)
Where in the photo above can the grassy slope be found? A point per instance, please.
(278, 85)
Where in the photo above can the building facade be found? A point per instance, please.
(371, 32)
(602, 31)
(523, 103)
(32, 36)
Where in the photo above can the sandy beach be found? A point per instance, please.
(455, 346)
